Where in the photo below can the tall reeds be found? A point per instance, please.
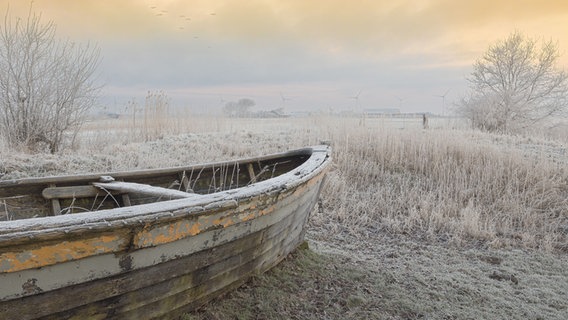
(449, 185)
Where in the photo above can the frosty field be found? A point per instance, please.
(443, 223)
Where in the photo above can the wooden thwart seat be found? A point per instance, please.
(74, 192)
(55, 205)
(55, 194)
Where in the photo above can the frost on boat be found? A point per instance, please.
(150, 243)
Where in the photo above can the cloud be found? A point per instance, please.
(367, 29)
(376, 46)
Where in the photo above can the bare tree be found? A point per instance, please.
(516, 85)
(46, 84)
(239, 109)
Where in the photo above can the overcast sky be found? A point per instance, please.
(297, 54)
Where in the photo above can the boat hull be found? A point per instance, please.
(156, 263)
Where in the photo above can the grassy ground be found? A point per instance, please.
(445, 223)
(398, 278)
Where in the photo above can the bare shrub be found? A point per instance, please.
(238, 109)
(46, 84)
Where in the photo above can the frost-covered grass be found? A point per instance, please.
(443, 184)
(450, 185)
(393, 277)
(423, 223)
(390, 175)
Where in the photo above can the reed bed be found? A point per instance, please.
(448, 185)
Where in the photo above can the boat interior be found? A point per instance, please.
(49, 196)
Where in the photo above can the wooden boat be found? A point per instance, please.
(150, 243)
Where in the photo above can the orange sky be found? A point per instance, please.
(318, 53)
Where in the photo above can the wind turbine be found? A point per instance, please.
(284, 99)
(443, 101)
(356, 98)
(400, 100)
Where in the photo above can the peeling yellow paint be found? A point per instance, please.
(181, 229)
(247, 217)
(60, 252)
(225, 221)
(153, 236)
(167, 233)
(267, 211)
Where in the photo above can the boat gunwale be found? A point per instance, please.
(30, 181)
(110, 219)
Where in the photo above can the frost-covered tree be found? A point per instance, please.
(238, 109)
(516, 85)
(46, 84)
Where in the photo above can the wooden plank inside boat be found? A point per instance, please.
(75, 192)
(55, 205)
(130, 187)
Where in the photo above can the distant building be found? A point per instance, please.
(381, 112)
(275, 113)
(299, 114)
